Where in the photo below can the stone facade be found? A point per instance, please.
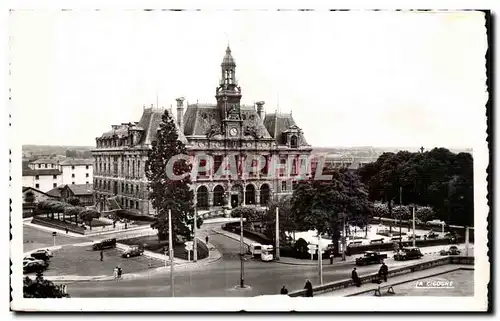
(225, 131)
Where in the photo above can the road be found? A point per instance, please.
(221, 278)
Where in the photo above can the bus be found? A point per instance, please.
(267, 253)
(255, 249)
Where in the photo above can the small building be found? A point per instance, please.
(41, 179)
(83, 192)
(31, 196)
(76, 171)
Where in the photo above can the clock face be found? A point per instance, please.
(233, 131)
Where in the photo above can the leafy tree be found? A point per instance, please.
(437, 178)
(251, 214)
(167, 193)
(88, 215)
(327, 204)
(401, 212)
(74, 201)
(424, 213)
(29, 197)
(41, 288)
(287, 222)
(380, 209)
(71, 211)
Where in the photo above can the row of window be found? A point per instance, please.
(125, 187)
(37, 177)
(132, 168)
(54, 166)
(54, 185)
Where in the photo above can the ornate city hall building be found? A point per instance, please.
(222, 130)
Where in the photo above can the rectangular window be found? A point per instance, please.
(73, 175)
(37, 185)
(282, 169)
(72, 167)
(87, 167)
(72, 183)
(39, 166)
(137, 189)
(54, 176)
(54, 185)
(86, 182)
(137, 205)
(37, 177)
(45, 165)
(86, 174)
(283, 186)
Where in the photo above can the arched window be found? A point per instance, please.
(250, 194)
(264, 194)
(218, 195)
(202, 197)
(294, 142)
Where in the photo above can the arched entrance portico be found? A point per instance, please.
(218, 195)
(202, 197)
(236, 195)
(250, 194)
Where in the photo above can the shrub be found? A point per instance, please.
(401, 212)
(252, 214)
(380, 210)
(424, 213)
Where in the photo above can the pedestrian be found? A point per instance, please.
(309, 289)
(102, 255)
(355, 277)
(206, 239)
(331, 258)
(120, 272)
(114, 224)
(115, 273)
(284, 290)
(67, 230)
(382, 273)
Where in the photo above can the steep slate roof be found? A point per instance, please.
(76, 162)
(277, 123)
(198, 119)
(150, 121)
(81, 189)
(40, 172)
(121, 131)
(25, 188)
(55, 192)
(45, 161)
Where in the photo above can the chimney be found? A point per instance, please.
(180, 113)
(260, 108)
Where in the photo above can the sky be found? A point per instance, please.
(349, 78)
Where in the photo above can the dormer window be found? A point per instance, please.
(294, 142)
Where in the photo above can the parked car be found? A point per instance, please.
(33, 266)
(41, 255)
(432, 235)
(453, 250)
(408, 253)
(32, 259)
(435, 223)
(134, 250)
(371, 257)
(106, 244)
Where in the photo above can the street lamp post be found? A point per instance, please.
(320, 260)
(171, 252)
(277, 234)
(54, 237)
(195, 227)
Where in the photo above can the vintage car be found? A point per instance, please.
(435, 223)
(134, 250)
(41, 255)
(106, 244)
(453, 250)
(34, 266)
(371, 257)
(408, 253)
(29, 259)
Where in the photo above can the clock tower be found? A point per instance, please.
(228, 96)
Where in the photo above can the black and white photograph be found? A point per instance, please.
(257, 160)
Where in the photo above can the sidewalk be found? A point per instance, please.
(405, 278)
(76, 235)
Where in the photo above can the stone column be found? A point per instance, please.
(210, 199)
